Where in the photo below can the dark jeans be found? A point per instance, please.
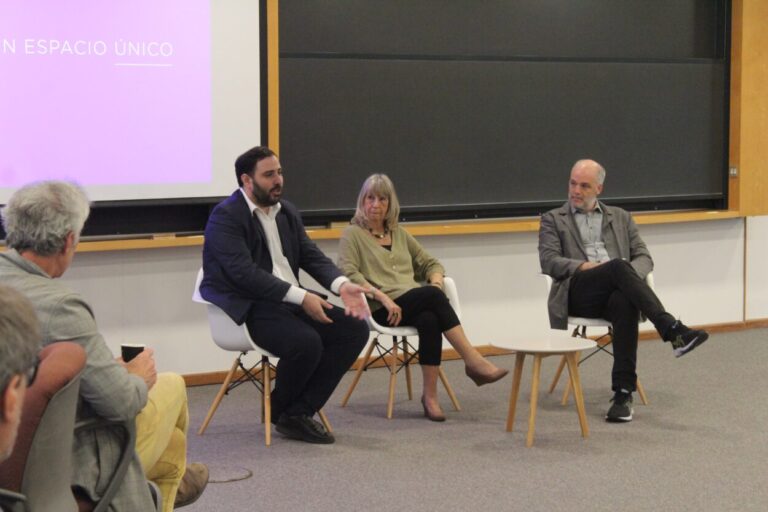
(616, 292)
(313, 356)
(428, 310)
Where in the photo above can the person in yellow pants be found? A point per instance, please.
(161, 443)
(43, 222)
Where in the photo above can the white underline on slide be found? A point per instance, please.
(145, 65)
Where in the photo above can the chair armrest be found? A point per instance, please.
(128, 452)
(12, 501)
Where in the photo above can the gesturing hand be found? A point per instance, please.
(354, 301)
(314, 306)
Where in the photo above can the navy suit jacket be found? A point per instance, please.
(237, 266)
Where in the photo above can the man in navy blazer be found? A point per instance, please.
(255, 244)
(598, 262)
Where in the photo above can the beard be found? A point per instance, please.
(264, 197)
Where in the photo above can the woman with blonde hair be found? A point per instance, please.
(376, 252)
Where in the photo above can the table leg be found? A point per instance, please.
(519, 359)
(534, 398)
(573, 370)
(557, 374)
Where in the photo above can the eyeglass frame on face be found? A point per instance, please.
(31, 372)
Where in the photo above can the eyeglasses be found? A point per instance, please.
(31, 372)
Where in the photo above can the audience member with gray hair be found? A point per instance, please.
(19, 344)
(39, 218)
(43, 222)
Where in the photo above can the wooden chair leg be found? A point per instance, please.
(392, 379)
(557, 375)
(641, 392)
(359, 371)
(219, 396)
(534, 398)
(573, 371)
(259, 375)
(448, 388)
(267, 397)
(519, 360)
(324, 420)
(407, 364)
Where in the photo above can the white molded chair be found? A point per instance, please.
(230, 336)
(391, 356)
(580, 331)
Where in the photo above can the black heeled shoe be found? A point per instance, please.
(481, 379)
(430, 415)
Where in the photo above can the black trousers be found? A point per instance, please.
(616, 292)
(428, 310)
(313, 356)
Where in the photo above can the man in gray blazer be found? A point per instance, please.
(43, 222)
(598, 262)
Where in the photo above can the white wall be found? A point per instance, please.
(145, 296)
(757, 269)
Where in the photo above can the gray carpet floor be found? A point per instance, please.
(699, 445)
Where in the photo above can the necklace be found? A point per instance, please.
(379, 236)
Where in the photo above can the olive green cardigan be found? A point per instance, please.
(394, 272)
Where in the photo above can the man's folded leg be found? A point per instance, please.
(161, 438)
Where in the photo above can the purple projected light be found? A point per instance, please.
(105, 93)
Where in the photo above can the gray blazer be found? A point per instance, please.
(107, 390)
(561, 251)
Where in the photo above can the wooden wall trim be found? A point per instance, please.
(734, 133)
(749, 112)
(273, 77)
(521, 225)
(204, 379)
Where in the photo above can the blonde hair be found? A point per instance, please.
(381, 185)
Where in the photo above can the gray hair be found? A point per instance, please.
(39, 216)
(379, 184)
(19, 335)
(591, 163)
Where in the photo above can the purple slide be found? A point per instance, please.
(105, 93)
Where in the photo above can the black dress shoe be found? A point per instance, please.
(304, 428)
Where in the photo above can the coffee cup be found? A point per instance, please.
(130, 350)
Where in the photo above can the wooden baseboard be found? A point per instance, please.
(208, 378)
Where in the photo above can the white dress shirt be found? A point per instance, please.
(281, 269)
